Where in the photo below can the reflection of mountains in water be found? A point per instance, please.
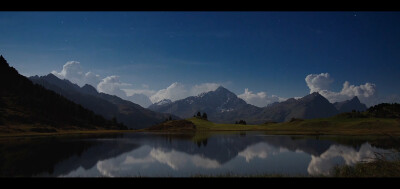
(54, 156)
(310, 146)
(99, 150)
(223, 148)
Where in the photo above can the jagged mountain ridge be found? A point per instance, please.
(310, 106)
(220, 105)
(22, 103)
(140, 99)
(350, 105)
(223, 106)
(161, 102)
(131, 114)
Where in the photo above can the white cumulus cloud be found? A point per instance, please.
(364, 92)
(177, 91)
(173, 92)
(259, 99)
(142, 95)
(140, 99)
(112, 85)
(91, 79)
(73, 72)
(320, 83)
(147, 92)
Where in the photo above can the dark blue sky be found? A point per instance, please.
(262, 51)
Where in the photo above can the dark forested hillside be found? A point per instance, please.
(385, 110)
(25, 103)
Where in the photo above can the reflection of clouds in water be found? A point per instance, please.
(133, 160)
(299, 151)
(79, 172)
(173, 159)
(260, 150)
(323, 164)
(199, 161)
(254, 159)
(106, 169)
(176, 160)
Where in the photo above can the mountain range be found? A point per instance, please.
(223, 106)
(132, 115)
(24, 104)
(310, 106)
(50, 100)
(220, 105)
(350, 105)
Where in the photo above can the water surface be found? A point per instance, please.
(186, 155)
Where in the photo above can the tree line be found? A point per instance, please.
(201, 116)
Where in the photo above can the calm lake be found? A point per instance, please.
(185, 155)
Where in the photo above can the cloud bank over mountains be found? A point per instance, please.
(144, 96)
(72, 71)
(177, 91)
(259, 99)
(321, 82)
(112, 85)
(318, 82)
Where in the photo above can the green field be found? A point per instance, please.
(324, 126)
(336, 125)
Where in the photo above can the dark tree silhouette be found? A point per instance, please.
(385, 110)
(114, 120)
(204, 116)
(243, 122)
(198, 114)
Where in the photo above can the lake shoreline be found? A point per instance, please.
(312, 127)
(267, 132)
(63, 133)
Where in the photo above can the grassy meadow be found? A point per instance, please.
(324, 126)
